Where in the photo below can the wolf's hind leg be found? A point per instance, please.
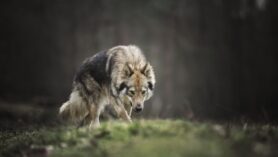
(86, 120)
(94, 114)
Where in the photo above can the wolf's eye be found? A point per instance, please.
(131, 93)
(143, 92)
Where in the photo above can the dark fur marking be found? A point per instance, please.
(150, 85)
(122, 86)
(143, 70)
(95, 66)
(130, 72)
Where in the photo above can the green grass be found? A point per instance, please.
(153, 138)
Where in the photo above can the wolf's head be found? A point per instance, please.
(137, 85)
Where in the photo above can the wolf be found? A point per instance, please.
(120, 76)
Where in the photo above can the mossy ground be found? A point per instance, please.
(153, 138)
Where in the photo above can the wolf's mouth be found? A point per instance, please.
(137, 110)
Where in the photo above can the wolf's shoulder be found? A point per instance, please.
(95, 67)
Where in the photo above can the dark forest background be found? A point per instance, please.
(213, 59)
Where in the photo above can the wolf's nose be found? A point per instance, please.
(138, 108)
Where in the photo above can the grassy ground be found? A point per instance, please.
(154, 138)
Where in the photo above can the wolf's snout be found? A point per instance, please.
(138, 108)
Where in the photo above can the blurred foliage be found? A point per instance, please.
(155, 138)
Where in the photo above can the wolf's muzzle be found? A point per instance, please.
(138, 108)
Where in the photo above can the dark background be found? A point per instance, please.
(213, 59)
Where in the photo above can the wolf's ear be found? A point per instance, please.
(146, 70)
(128, 70)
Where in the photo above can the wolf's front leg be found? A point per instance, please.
(124, 115)
(122, 112)
(128, 109)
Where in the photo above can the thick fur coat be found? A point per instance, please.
(120, 77)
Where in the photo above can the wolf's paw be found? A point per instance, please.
(94, 125)
(129, 120)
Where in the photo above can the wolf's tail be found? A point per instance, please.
(75, 109)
